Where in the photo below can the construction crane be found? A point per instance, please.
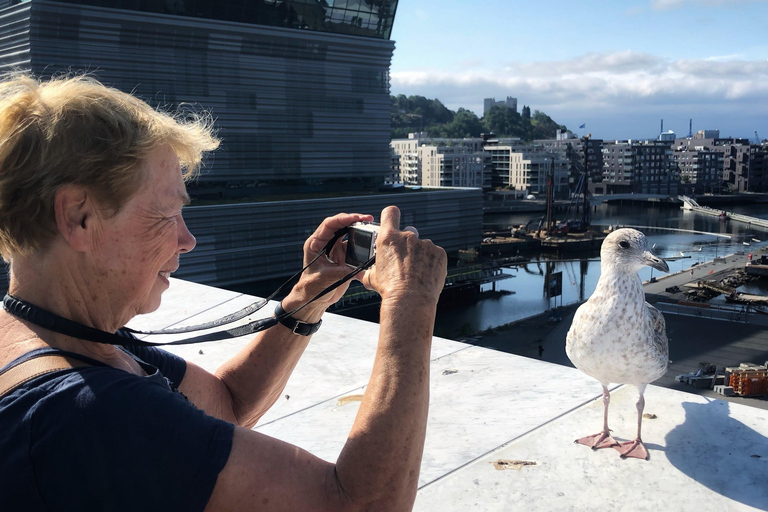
(757, 139)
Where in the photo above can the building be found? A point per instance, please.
(407, 151)
(700, 167)
(667, 136)
(645, 167)
(454, 166)
(743, 163)
(701, 170)
(443, 162)
(707, 134)
(571, 149)
(489, 103)
(530, 170)
(300, 94)
(500, 149)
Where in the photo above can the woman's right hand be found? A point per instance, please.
(406, 267)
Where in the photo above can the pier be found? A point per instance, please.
(690, 204)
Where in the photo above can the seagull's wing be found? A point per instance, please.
(659, 331)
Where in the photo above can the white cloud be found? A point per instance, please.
(621, 83)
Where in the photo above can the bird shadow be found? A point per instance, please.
(721, 453)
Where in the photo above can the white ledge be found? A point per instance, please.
(487, 406)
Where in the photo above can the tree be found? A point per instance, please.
(417, 113)
(502, 121)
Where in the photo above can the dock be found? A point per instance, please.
(690, 204)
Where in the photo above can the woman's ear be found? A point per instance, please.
(74, 213)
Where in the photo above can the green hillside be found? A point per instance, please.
(417, 113)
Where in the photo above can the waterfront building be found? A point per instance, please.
(300, 95)
(700, 167)
(489, 103)
(646, 167)
(571, 148)
(531, 167)
(441, 162)
(454, 166)
(743, 163)
(499, 150)
(738, 172)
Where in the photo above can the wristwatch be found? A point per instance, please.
(297, 326)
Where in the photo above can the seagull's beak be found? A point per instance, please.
(654, 262)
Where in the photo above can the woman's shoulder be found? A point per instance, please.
(109, 427)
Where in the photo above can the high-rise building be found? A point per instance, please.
(300, 95)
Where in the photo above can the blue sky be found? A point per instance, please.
(617, 66)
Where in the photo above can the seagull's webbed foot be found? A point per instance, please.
(597, 441)
(634, 449)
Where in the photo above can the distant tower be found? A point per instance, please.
(690, 128)
(662, 127)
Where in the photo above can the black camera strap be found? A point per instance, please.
(127, 336)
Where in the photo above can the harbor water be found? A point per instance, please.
(685, 237)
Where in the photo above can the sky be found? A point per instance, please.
(619, 67)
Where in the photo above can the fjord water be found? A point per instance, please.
(671, 231)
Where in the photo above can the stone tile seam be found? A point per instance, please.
(516, 438)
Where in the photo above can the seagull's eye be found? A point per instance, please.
(624, 244)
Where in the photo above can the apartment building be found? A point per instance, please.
(530, 170)
(646, 167)
(572, 149)
(700, 168)
(500, 150)
(442, 162)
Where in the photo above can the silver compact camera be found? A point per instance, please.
(361, 243)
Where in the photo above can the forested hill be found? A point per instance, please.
(417, 113)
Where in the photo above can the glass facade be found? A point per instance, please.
(370, 18)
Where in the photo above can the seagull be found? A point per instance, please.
(617, 337)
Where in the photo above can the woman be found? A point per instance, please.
(91, 196)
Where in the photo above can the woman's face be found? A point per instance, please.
(136, 250)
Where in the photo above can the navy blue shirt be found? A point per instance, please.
(99, 438)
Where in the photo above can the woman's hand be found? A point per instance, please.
(406, 267)
(323, 273)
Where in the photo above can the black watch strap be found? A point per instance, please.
(297, 326)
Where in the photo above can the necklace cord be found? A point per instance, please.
(127, 336)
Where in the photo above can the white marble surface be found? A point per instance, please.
(487, 405)
(701, 458)
(338, 360)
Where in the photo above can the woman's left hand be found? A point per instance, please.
(323, 273)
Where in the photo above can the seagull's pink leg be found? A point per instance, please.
(602, 439)
(635, 449)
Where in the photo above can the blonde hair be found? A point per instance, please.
(74, 130)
